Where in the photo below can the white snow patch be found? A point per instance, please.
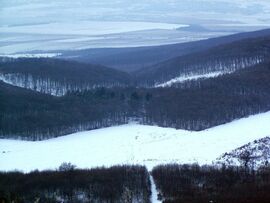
(40, 55)
(185, 78)
(133, 144)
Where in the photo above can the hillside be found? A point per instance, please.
(57, 77)
(254, 154)
(224, 58)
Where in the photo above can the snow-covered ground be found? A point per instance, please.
(185, 78)
(133, 144)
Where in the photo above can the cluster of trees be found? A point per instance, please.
(119, 184)
(57, 77)
(225, 58)
(192, 183)
(195, 105)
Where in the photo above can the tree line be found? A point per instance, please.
(118, 184)
(131, 184)
(204, 184)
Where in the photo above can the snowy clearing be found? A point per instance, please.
(185, 78)
(133, 144)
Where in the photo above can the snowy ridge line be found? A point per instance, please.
(185, 78)
(133, 144)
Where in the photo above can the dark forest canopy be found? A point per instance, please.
(57, 77)
(204, 184)
(125, 184)
(118, 184)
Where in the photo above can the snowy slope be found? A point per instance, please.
(133, 144)
(185, 78)
(254, 154)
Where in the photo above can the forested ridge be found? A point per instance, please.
(224, 58)
(57, 77)
(194, 105)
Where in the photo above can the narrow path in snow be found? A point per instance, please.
(154, 195)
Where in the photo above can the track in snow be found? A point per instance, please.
(154, 192)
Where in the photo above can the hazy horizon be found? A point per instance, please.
(35, 25)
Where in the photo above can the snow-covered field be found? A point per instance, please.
(133, 144)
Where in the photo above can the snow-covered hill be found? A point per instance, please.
(253, 154)
(133, 144)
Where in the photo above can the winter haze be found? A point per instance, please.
(34, 25)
